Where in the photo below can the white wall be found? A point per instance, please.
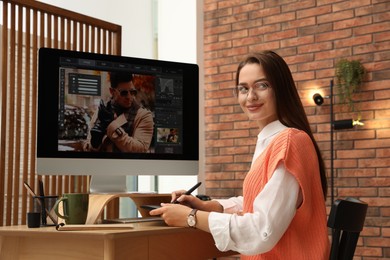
(177, 30)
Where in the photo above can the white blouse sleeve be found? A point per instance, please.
(258, 232)
(231, 205)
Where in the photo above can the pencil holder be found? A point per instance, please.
(44, 205)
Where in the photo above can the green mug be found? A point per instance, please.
(75, 207)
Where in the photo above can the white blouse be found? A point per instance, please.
(273, 209)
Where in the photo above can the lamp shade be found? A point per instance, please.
(318, 99)
(343, 124)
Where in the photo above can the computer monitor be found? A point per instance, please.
(86, 126)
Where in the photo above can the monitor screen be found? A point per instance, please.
(112, 115)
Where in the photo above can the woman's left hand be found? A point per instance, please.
(173, 214)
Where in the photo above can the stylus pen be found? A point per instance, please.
(189, 191)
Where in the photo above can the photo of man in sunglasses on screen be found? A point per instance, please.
(122, 124)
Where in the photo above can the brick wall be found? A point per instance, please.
(312, 36)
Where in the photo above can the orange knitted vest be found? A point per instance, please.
(307, 236)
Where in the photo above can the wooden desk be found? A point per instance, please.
(144, 241)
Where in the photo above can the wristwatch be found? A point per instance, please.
(191, 219)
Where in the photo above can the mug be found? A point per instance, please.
(75, 207)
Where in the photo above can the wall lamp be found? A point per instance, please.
(335, 125)
(318, 99)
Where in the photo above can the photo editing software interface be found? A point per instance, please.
(85, 83)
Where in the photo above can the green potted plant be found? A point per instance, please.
(349, 78)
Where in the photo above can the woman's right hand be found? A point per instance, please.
(188, 200)
(176, 194)
(194, 202)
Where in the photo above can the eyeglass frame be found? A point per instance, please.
(255, 87)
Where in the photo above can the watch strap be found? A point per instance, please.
(192, 215)
(193, 212)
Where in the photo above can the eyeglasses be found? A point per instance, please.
(124, 93)
(257, 86)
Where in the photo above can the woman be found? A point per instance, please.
(282, 212)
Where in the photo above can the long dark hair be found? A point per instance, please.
(289, 107)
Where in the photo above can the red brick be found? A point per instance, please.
(359, 40)
(382, 36)
(219, 143)
(371, 252)
(310, 48)
(222, 4)
(278, 18)
(298, 23)
(350, 4)
(217, 46)
(386, 232)
(233, 19)
(315, 65)
(264, 12)
(352, 23)
(233, 35)
(264, 30)
(372, 143)
(336, 54)
(314, 11)
(247, 41)
(336, 16)
(306, 75)
(234, 150)
(280, 35)
(372, 28)
(265, 46)
(378, 242)
(298, 5)
(219, 159)
(378, 163)
(357, 172)
(383, 133)
(365, 153)
(297, 41)
(248, 7)
(233, 134)
(219, 126)
(374, 182)
(382, 172)
(209, 6)
(220, 176)
(247, 24)
(385, 212)
(217, 29)
(297, 59)
(333, 35)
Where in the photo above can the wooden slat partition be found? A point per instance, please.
(28, 25)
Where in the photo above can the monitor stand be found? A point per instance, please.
(104, 189)
(108, 184)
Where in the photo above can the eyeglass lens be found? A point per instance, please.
(124, 93)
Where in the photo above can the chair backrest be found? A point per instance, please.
(346, 219)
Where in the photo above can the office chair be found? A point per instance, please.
(346, 219)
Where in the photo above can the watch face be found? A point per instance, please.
(191, 221)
